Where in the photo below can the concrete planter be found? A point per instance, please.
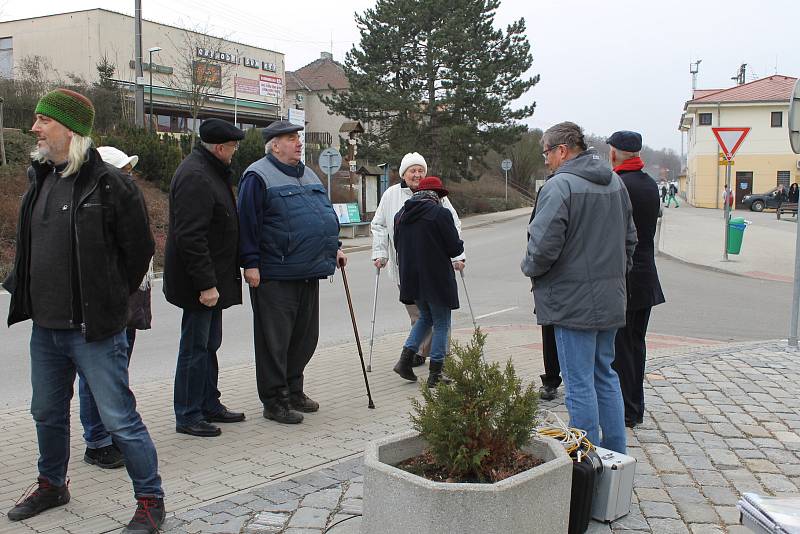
(396, 502)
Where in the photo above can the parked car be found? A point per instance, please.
(762, 201)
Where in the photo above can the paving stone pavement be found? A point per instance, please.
(722, 419)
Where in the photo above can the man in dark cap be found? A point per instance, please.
(201, 273)
(289, 239)
(643, 287)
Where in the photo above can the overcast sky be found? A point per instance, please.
(619, 64)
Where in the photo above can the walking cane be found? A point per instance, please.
(374, 309)
(472, 314)
(358, 341)
(464, 283)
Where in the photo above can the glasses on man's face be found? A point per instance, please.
(547, 150)
(234, 146)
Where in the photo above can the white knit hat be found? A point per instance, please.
(412, 158)
(117, 157)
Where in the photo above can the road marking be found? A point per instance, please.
(498, 312)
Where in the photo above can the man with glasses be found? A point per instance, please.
(581, 246)
(201, 273)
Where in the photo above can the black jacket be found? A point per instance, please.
(111, 247)
(425, 237)
(203, 240)
(644, 288)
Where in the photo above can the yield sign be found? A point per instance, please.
(730, 139)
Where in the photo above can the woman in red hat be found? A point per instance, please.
(426, 238)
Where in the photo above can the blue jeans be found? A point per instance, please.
(94, 433)
(56, 356)
(437, 318)
(196, 395)
(592, 391)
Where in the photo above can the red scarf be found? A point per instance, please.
(633, 164)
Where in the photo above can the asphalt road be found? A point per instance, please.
(700, 303)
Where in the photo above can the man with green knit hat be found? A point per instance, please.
(83, 246)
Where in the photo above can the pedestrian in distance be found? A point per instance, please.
(672, 192)
(100, 449)
(664, 193)
(793, 193)
(426, 239)
(581, 247)
(201, 274)
(642, 285)
(83, 246)
(727, 197)
(289, 241)
(413, 168)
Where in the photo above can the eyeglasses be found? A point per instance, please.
(234, 146)
(547, 150)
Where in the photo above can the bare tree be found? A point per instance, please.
(203, 67)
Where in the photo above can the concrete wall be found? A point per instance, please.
(764, 152)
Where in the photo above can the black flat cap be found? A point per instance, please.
(218, 131)
(279, 128)
(626, 140)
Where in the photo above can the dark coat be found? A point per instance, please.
(111, 247)
(644, 288)
(203, 241)
(425, 237)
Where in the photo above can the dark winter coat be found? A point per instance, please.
(425, 237)
(111, 247)
(203, 240)
(644, 288)
(581, 246)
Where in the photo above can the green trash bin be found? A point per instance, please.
(736, 228)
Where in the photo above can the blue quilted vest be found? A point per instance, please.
(300, 230)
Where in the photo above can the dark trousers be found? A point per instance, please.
(196, 376)
(552, 371)
(286, 329)
(629, 362)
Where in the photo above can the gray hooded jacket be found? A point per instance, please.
(581, 246)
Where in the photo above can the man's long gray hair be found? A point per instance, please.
(78, 149)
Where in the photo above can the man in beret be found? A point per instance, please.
(643, 286)
(289, 239)
(201, 273)
(83, 246)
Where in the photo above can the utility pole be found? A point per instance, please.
(139, 86)
(2, 137)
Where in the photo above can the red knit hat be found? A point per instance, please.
(432, 183)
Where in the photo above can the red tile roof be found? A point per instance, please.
(318, 76)
(700, 93)
(775, 88)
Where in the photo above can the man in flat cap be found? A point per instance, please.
(643, 287)
(289, 240)
(201, 273)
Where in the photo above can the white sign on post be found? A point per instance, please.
(298, 118)
(730, 139)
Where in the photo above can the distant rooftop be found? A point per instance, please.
(318, 75)
(776, 88)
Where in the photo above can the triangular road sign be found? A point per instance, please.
(730, 139)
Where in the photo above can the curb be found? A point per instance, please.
(716, 269)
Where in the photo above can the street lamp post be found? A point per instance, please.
(150, 68)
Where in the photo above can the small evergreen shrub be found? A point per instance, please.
(476, 425)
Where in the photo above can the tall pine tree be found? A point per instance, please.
(436, 77)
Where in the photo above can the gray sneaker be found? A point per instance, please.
(547, 393)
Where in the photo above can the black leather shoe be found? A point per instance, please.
(105, 457)
(226, 416)
(302, 403)
(280, 412)
(44, 497)
(547, 393)
(419, 359)
(201, 429)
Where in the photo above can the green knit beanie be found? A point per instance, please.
(71, 109)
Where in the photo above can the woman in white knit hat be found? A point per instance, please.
(413, 168)
(100, 450)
